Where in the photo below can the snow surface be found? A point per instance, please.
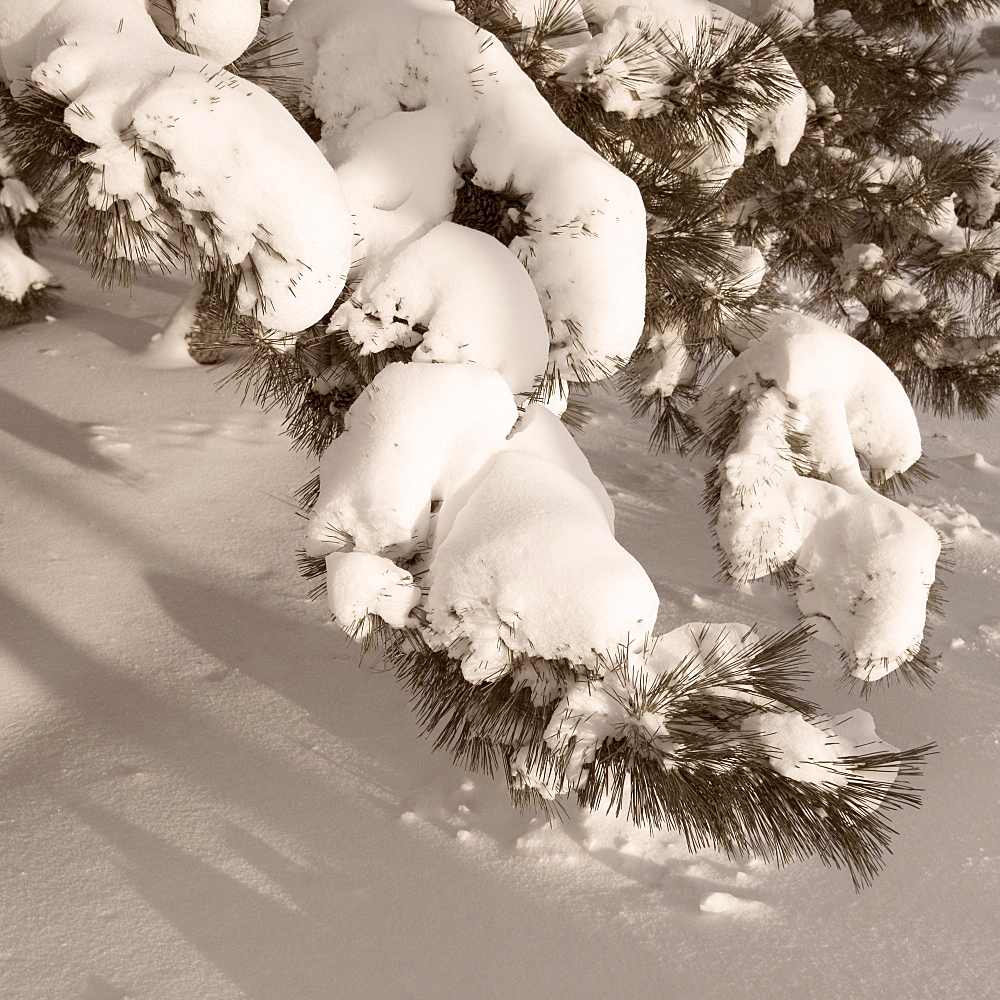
(204, 797)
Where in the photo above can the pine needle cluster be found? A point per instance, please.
(872, 172)
(702, 773)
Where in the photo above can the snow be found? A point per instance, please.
(17, 198)
(217, 30)
(863, 564)
(360, 585)
(817, 751)
(857, 257)
(18, 273)
(596, 66)
(490, 316)
(416, 435)
(828, 376)
(205, 797)
(514, 573)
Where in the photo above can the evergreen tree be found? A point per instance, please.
(537, 196)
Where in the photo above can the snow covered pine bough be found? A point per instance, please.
(478, 213)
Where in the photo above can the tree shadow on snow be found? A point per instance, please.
(295, 653)
(312, 665)
(267, 946)
(130, 333)
(39, 428)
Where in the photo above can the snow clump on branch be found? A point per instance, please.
(789, 418)
(411, 96)
(157, 124)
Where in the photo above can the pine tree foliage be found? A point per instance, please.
(27, 290)
(887, 226)
(787, 161)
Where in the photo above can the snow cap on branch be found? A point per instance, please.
(217, 30)
(161, 126)
(581, 233)
(789, 417)
(529, 565)
(490, 315)
(414, 436)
